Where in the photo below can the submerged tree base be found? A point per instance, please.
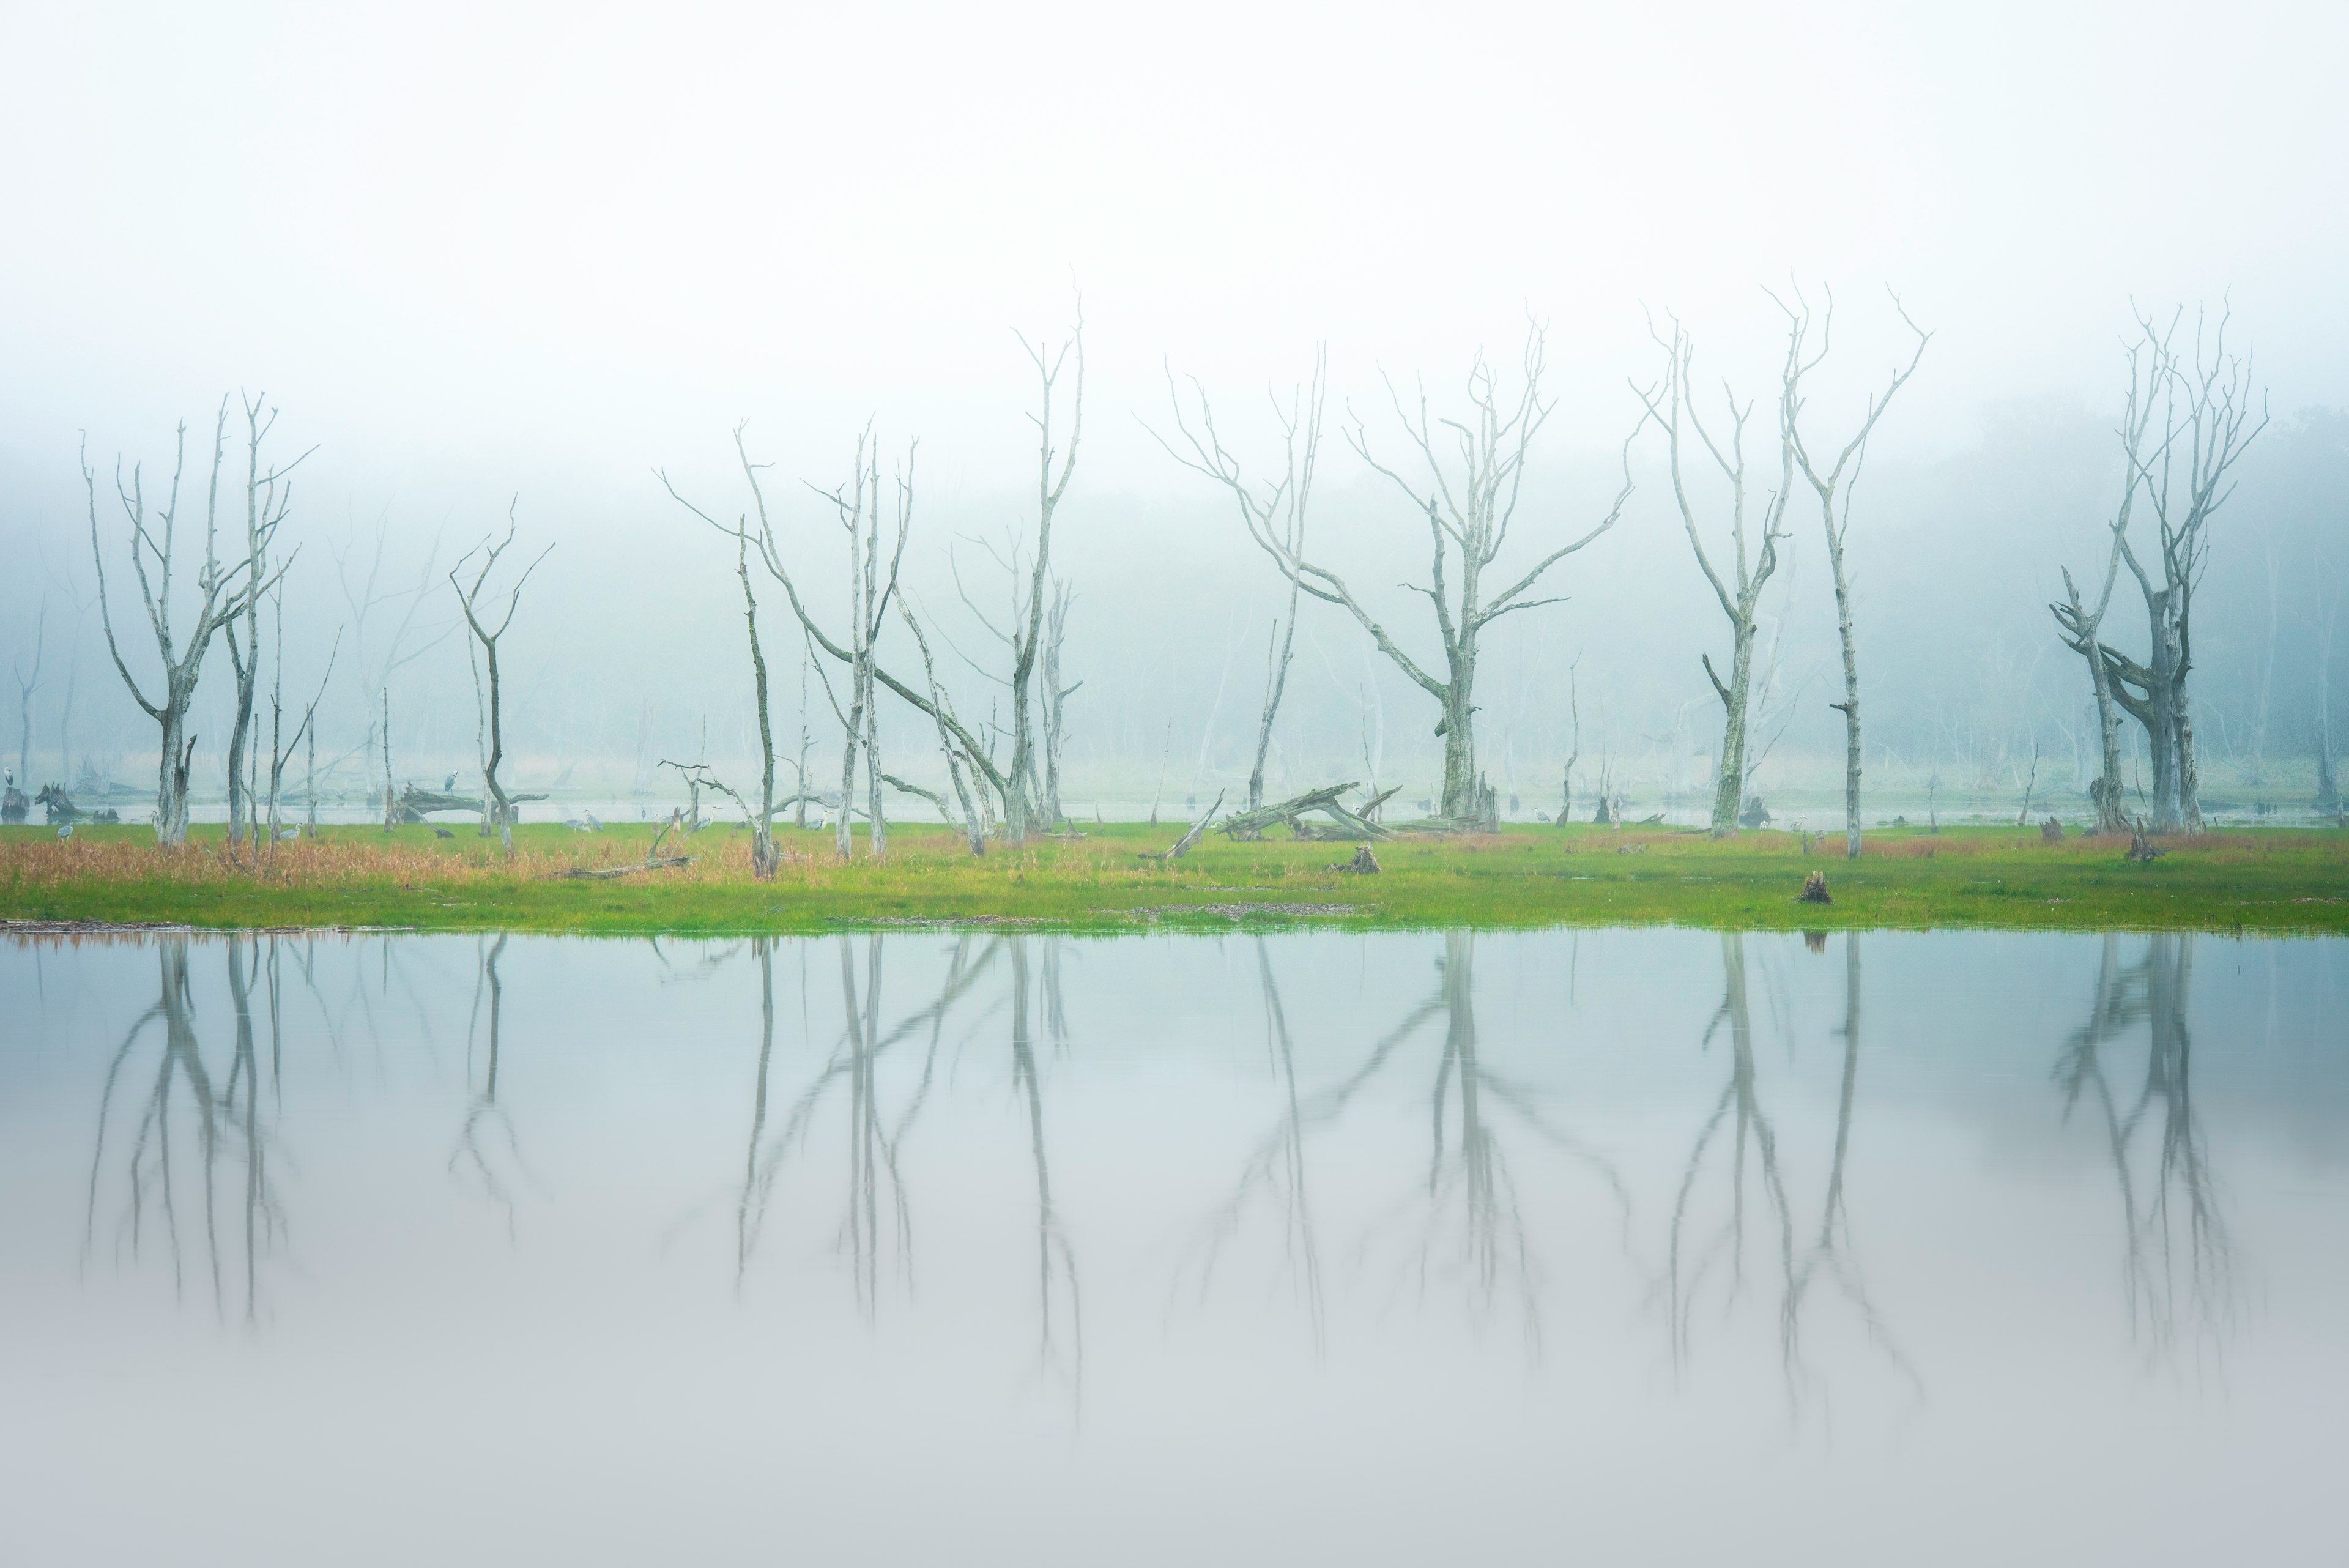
(2265, 879)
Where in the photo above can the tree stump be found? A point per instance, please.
(1814, 888)
(2050, 832)
(1364, 863)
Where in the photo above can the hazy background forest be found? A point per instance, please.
(531, 269)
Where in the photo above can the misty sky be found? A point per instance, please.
(542, 251)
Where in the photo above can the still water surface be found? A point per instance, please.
(1651, 1247)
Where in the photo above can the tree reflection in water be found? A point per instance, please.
(1751, 1156)
(486, 1141)
(1463, 1224)
(877, 1216)
(2174, 1237)
(181, 1102)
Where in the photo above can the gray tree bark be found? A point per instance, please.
(26, 686)
(1741, 592)
(225, 589)
(1832, 485)
(471, 600)
(267, 499)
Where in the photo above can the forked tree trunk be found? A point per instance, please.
(1729, 786)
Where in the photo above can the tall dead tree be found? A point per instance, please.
(1055, 703)
(1008, 782)
(1273, 509)
(479, 604)
(1739, 593)
(2328, 789)
(26, 686)
(375, 662)
(1469, 511)
(223, 589)
(859, 505)
(2206, 411)
(1021, 809)
(281, 746)
(268, 496)
(2081, 626)
(2193, 421)
(1834, 485)
(763, 857)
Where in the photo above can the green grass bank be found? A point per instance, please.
(2252, 880)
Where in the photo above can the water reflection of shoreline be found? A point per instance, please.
(185, 1173)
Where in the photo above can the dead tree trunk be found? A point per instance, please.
(858, 504)
(1834, 488)
(1741, 592)
(2328, 789)
(974, 824)
(2079, 627)
(223, 589)
(2208, 423)
(1275, 511)
(857, 652)
(267, 498)
(474, 603)
(1021, 808)
(1573, 744)
(763, 857)
(281, 750)
(26, 686)
(1056, 699)
(1469, 518)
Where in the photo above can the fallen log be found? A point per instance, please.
(605, 873)
(1183, 846)
(1290, 813)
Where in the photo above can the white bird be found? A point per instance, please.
(66, 831)
(287, 833)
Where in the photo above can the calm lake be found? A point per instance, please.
(945, 1247)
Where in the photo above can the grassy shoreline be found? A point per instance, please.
(2252, 880)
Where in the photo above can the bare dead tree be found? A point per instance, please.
(477, 604)
(225, 589)
(1469, 518)
(1833, 486)
(2206, 411)
(1573, 744)
(1273, 509)
(2080, 628)
(859, 505)
(1021, 808)
(858, 651)
(763, 857)
(1055, 702)
(974, 816)
(407, 643)
(2328, 789)
(1740, 592)
(26, 686)
(281, 747)
(2183, 471)
(268, 497)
